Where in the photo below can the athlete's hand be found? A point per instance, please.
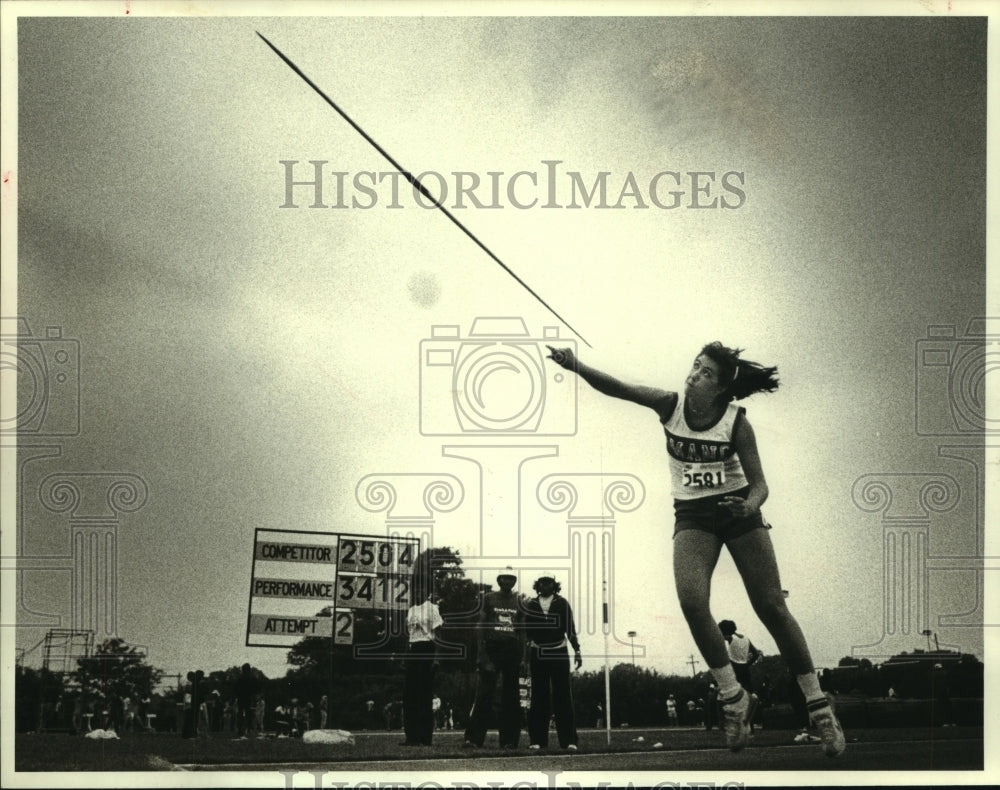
(564, 357)
(738, 506)
(577, 660)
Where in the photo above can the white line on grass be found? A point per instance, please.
(483, 760)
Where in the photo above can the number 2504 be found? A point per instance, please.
(370, 550)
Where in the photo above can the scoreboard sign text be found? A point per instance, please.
(300, 578)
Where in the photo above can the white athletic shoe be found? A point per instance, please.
(736, 716)
(825, 721)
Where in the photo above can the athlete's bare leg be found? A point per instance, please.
(695, 556)
(753, 554)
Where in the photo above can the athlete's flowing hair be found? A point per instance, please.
(742, 377)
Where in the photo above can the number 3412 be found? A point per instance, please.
(373, 592)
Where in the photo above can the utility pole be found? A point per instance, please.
(632, 635)
(692, 661)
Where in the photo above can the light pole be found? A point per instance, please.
(632, 635)
(927, 632)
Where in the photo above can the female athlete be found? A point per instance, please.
(718, 487)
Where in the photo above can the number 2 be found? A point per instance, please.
(402, 596)
(350, 547)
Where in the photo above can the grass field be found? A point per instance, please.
(153, 752)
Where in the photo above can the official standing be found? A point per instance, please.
(742, 653)
(246, 690)
(500, 655)
(672, 710)
(422, 622)
(549, 628)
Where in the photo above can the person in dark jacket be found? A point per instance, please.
(549, 628)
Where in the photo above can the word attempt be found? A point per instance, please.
(340, 626)
(285, 625)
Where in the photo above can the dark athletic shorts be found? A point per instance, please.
(707, 515)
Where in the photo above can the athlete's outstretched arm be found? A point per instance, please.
(605, 384)
(745, 443)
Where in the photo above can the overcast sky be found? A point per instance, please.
(253, 363)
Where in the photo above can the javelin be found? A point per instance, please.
(415, 183)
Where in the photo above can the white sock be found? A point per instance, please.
(809, 684)
(729, 686)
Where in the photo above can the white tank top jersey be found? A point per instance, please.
(703, 463)
(739, 649)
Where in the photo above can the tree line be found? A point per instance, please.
(363, 682)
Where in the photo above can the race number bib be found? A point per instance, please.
(710, 475)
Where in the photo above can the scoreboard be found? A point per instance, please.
(375, 574)
(297, 575)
